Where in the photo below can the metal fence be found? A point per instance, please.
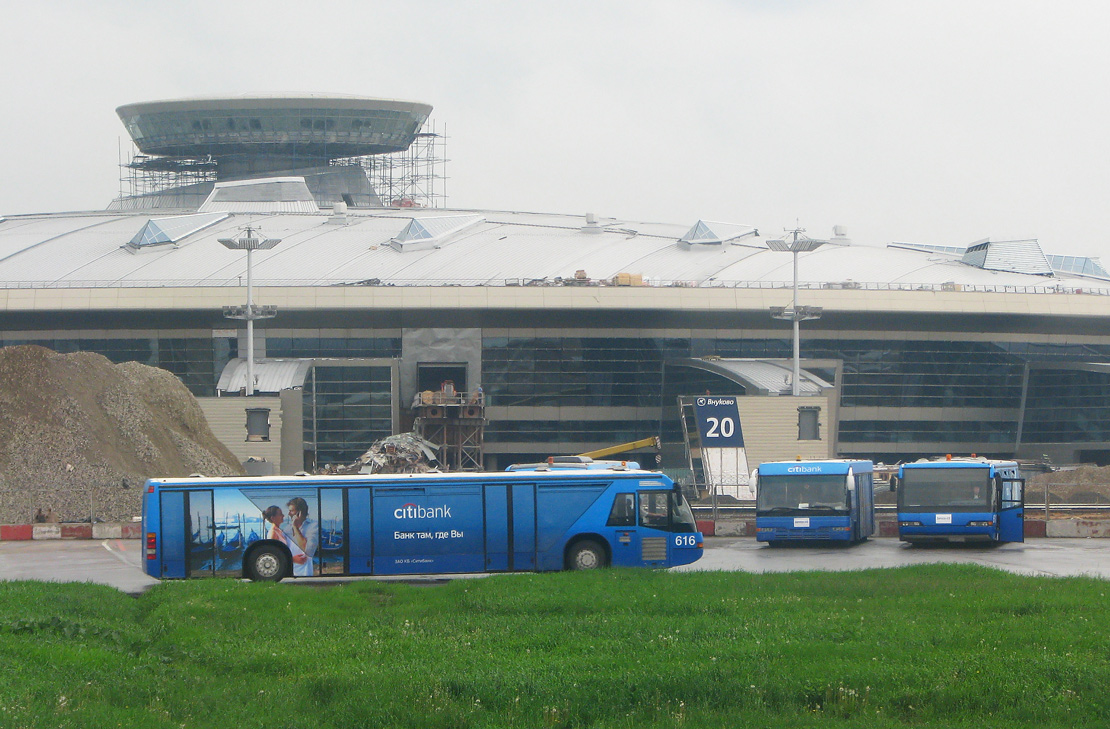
(110, 503)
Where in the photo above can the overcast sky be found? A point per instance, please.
(939, 122)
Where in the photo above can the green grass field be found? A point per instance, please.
(929, 646)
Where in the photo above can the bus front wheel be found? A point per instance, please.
(586, 555)
(267, 564)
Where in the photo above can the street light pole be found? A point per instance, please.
(796, 313)
(250, 243)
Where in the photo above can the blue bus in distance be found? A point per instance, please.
(814, 501)
(961, 500)
(270, 528)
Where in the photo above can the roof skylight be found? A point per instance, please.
(706, 232)
(421, 233)
(159, 231)
(1016, 256)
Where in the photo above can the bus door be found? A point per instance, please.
(625, 539)
(655, 523)
(360, 532)
(1011, 516)
(200, 534)
(172, 545)
(510, 512)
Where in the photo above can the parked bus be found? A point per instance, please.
(814, 500)
(274, 527)
(961, 500)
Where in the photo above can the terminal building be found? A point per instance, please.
(516, 335)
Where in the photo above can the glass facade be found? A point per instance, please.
(596, 380)
(1067, 406)
(862, 432)
(196, 361)
(1062, 406)
(322, 347)
(174, 129)
(346, 409)
(572, 371)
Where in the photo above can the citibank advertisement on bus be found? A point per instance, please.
(223, 523)
(431, 532)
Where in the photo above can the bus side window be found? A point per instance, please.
(654, 509)
(623, 512)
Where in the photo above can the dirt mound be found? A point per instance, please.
(80, 435)
(1082, 485)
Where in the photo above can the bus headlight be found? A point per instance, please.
(909, 523)
(981, 523)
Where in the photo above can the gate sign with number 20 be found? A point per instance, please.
(719, 422)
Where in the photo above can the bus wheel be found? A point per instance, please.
(586, 555)
(267, 564)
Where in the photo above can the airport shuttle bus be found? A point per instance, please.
(961, 500)
(269, 528)
(814, 500)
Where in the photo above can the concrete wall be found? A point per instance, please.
(227, 417)
(770, 426)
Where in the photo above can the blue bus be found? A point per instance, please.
(961, 500)
(814, 500)
(270, 528)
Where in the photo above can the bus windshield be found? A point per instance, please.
(682, 516)
(813, 492)
(945, 489)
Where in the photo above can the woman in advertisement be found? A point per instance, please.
(302, 565)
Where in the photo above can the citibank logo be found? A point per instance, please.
(413, 511)
(804, 469)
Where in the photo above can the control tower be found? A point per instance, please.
(187, 145)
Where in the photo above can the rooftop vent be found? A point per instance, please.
(1015, 256)
(338, 214)
(706, 232)
(160, 231)
(265, 195)
(840, 236)
(592, 226)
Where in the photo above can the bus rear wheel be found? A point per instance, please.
(586, 555)
(267, 564)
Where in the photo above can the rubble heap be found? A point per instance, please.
(79, 435)
(401, 453)
(1082, 485)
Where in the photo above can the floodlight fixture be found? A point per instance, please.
(249, 242)
(796, 244)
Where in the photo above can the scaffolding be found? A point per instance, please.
(150, 175)
(414, 177)
(455, 424)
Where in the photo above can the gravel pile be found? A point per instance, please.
(1082, 485)
(80, 435)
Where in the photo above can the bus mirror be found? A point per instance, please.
(893, 483)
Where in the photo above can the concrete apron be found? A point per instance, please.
(1064, 528)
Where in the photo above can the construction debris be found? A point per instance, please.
(401, 453)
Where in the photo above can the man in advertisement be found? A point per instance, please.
(304, 532)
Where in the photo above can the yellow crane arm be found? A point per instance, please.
(623, 448)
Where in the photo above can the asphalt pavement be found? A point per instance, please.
(118, 562)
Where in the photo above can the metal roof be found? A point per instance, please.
(467, 248)
(767, 376)
(270, 375)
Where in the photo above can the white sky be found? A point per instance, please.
(938, 122)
